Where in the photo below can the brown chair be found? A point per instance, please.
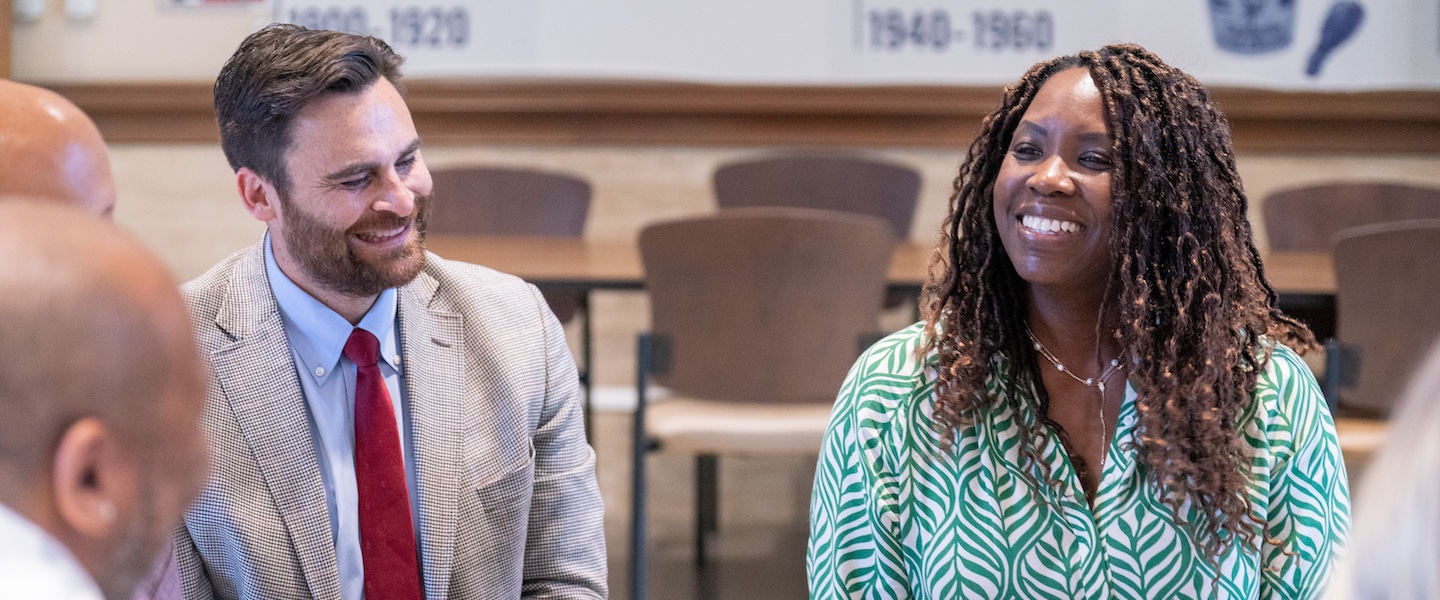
(829, 181)
(1307, 219)
(514, 201)
(1388, 276)
(757, 314)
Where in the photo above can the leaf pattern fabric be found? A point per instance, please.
(895, 516)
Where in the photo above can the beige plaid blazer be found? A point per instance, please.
(509, 506)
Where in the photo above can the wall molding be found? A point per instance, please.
(692, 114)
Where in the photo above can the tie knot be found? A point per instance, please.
(362, 348)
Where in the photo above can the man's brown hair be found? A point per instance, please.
(277, 71)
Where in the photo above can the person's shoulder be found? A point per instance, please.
(889, 369)
(897, 353)
(459, 273)
(214, 277)
(889, 390)
(205, 293)
(470, 285)
(1285, 371)
(1288, 403)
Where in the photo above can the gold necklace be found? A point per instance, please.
(1090, 382)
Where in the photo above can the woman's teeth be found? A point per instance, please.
(1050, 225)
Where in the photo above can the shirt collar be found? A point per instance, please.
(318, 334)
(37, 565)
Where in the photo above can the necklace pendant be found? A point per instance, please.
(1102, 396)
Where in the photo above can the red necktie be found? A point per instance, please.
(387, 534)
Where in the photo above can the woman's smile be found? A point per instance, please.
(1044, 226)
(1052, 194)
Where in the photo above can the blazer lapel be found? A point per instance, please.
(433, 344)
(257, 373)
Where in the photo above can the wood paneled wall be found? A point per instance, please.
(651, 113)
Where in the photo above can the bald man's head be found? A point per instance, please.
(100, 387)
(49, 150)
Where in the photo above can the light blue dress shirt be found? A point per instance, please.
(317, 338)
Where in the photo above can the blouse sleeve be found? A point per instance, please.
(855, 545)
(1309, 500)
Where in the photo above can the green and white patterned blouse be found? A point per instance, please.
(894, 516)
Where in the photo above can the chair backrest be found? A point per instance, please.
(764, 304)
(1389, 288)
(840, 182)
(509, 201)
(1306, 219)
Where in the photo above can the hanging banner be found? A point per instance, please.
(214, 4)
(907, 41)
(437, 37)
(1285, 44)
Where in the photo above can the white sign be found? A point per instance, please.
(903, 41)
(214, 3)
(1292, 44)
(437, 37)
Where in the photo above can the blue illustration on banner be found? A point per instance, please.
(1340, 25)
(1252, 26)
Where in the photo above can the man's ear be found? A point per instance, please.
(93, 482)
(261, 200)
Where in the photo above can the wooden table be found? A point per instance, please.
(1301, 279)
(1300, 273)
(611, 264)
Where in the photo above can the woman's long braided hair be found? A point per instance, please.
(1190, 293)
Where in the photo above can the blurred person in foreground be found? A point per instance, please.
(1103, 400)
(1395, 551)
(101, 391)
(387, 424)
(49, 150)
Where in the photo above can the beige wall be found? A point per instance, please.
(182, 201)
(131, 40)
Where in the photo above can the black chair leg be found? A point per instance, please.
(637, 519)
(1342, 366)
(707, 509)
(641, 446)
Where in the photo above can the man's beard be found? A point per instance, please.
(325, 255)
(135, 550)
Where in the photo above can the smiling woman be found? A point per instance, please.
(1052, 196)
(1102, 400)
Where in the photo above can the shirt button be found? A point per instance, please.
(395, 359)
(319, 371)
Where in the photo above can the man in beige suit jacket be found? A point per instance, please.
(501, 486)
